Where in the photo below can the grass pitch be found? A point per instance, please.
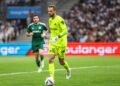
(86, 71)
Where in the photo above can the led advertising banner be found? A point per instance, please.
(14, 49)
(89, 49)
(22, 12)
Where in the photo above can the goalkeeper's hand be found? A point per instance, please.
(54, 39)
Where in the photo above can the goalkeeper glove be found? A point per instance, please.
(54, 39)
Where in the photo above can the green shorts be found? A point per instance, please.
(35, 48)
(61, 51)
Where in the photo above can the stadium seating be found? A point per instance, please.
(94, 21)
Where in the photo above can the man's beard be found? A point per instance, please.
(35, 23)
(52, 15)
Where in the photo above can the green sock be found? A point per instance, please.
(66, 66)
(42, 57)
(51, 70)
(38, 63)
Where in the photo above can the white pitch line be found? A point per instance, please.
(75, 68)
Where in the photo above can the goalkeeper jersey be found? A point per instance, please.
(57, 26)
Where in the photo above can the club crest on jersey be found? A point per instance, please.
(39, 27)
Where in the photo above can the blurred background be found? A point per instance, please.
(93, 47)
(87, 20)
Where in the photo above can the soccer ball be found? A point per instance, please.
(49, 81)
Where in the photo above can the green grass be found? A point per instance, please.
(106, 72)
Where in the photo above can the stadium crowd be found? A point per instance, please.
(9, 31)
(87, 21)
(94, 21)
(21, 2)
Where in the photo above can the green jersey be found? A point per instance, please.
(57, 26)
(37, 31)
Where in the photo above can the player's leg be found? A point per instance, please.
(41, 52)
(51, 60)
(51, 65)
(61, 56)
(35, 49)
(64, 63)
(38, 61)
(66, 66)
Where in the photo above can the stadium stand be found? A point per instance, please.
(87, 20)
(94, 21)
(10, 29)
(61, 6)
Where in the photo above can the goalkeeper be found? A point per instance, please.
(58, 41)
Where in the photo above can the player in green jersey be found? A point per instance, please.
(58, 41)
(38, 31)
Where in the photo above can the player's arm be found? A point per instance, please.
(44, 34)
(64, 28)
(45, 31)
(29, 32)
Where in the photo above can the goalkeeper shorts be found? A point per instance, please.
(35, 48)
(61, 51)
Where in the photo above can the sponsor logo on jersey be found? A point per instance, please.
(37, 31)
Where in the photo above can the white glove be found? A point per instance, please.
(53, 40)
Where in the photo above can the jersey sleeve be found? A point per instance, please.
(45, 27)
(63, 27)
(29, 29)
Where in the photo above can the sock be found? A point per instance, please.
(51, 70)
(66, 66)
(42, 57)
(38, 63)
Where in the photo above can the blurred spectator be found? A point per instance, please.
(17, 2)
(29, 17)
(14, 25)
(19, 25)
(118, 38)
(21, 2)
(1, 35)
(82, 37)
(94, 21)
(10, 31)
(70, 38)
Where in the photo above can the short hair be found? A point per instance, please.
(34, 15)
(52, 6)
